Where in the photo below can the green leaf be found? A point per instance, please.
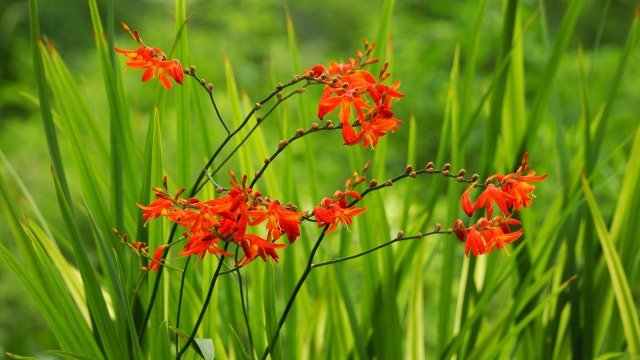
(619, 282)
(269, 308)
(104, 326)
(204, 347)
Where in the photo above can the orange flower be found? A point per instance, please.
(465, 201)
(157, 257)
(345, 100)
(155, 64)
(280, 220)
(160, 207)
(490, 195)
(254, 245)
(337, 211)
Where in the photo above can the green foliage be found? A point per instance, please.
(485, 82)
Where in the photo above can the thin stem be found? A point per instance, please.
(184, 275)
(205, 305)
(295, 292)
(254, 128)
(245, 313)
(335, 261)
(328, 126)
(210, 92)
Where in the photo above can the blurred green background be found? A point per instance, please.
(253, 35)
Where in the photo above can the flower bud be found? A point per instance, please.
(210, 87)
(400, 235)
(446, 166)
(437, 227)
(299, 132)
(192, 70)
(373, 183)
(461, 173)
(408, 169)
(315, 127)
(203, 82)
(429, 165)
(282, 144)
(445, 172)
(388, 183)
(474, 177)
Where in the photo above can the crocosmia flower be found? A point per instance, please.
(155, 64)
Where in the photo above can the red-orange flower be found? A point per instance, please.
(254, 245)
(155, 64)
(159, 207)
(493, 194)
(280, 219)
(157, 257)
(336, 210)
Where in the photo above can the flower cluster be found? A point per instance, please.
(349, 86)
(153, 61)
(226, 219)
(512, 193)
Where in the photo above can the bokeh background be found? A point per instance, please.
(252, 33)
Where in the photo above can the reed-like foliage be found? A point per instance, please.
(565, 291)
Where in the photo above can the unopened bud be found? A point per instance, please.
(437, 227)
(408, 169)
(474, 177)
(388, 183)
(329, 124)
(301, 90)
(266, 161)
(258, 119)
(345, 85)
(315, 127)
(400, 235)
(429, 165)
(210, 87)
(419, 235)
(299, 132)
(203, 82)
(487, 182)
(445, 172)
(295, 79)
(282, 144)
(461, 173)
(258, 106)
(192, 70)
(279, 86)
(373, 183)
(413, 174)
(446, 166)
(384, 68)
